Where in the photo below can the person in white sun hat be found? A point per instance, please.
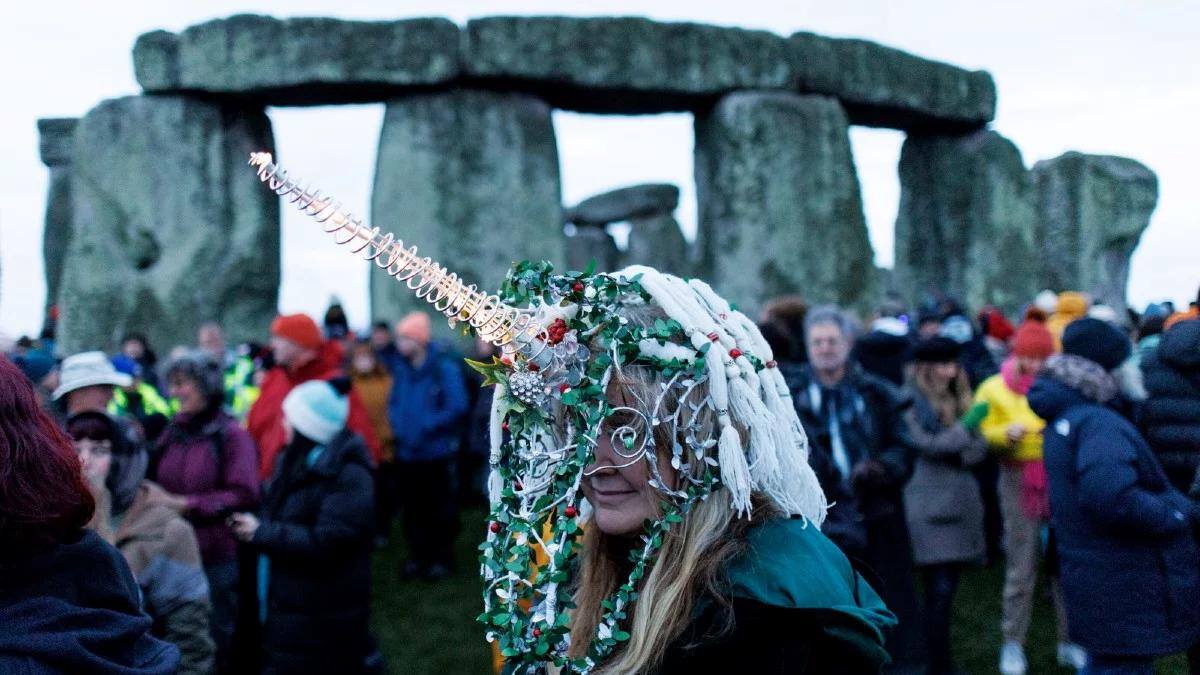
(87, 381)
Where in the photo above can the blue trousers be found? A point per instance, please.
(1099, 664)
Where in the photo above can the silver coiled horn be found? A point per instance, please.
(491, 319)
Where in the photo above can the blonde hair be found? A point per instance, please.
(693, 554)
(949, 401)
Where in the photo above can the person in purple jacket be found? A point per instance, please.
(209, 466)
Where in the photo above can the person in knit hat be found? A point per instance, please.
(42, 372)
(426, 408)
(1071, 305)
(300, 354)
(1014, 434)
(1125, 536)
(314, 536)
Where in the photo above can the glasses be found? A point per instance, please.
(93, 448)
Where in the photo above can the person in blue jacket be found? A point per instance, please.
(426, 407)
(1129, 560)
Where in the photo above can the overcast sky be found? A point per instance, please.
(1101, 76)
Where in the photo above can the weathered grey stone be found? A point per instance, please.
(471, 178)
(171, 228)
(589, 244)
(57, 142)
(886, 87)
(966, 225)
(302, 61)
(658, 242)
(1092, 210)
(780, 207)
(636, 201)
(624, 64)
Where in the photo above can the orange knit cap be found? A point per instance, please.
(1033, 340)
(415, 326)
(299, 328)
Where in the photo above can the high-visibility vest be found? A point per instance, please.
(240, 392)
(151, 402)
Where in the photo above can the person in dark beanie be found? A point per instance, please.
(1127, 552)
(68, 602)
(315, 536)
(42, 372)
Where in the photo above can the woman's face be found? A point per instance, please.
(184, 390)
(945, 372)
(96, 457)
(618, 486)
(1028, 365)
(363, 361)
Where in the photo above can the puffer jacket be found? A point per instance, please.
(1171, 415)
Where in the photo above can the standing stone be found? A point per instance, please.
(658, 241)
(588, 244)
(57, 140)
(1092, 210)
(471, 179)
(171, 227)
(627, 203)
(966, 224)
(779, 202)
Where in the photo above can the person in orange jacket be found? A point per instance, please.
(301, 354)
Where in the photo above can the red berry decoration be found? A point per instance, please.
(556, 332)
(506, 361)
(570, 512)
(714, 337)
(772, 364)
(537, 632)
(495, 527)
(504, 426)
(577, 287)
(533, 368)
(564, 388)
(734, 353)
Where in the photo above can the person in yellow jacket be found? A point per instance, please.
(1014, 433)
(140, 401)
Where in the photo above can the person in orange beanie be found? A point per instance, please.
(301, 354)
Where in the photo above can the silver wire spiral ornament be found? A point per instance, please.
(500, 324)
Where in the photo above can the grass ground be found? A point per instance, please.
(427, 628)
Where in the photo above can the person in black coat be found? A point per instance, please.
(855, 419)
(1171, 414)
(315, 536)
(68, 602)
(1125, 537)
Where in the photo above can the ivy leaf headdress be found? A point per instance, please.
(551, 405)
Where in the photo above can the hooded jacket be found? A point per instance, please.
(1120, 526)
(164, 557)
(1171, 414)
(265, 421)
(74, 610)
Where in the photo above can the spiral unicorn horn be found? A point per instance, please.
(491, 319)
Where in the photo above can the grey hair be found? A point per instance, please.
(831, 314)
(201, 368)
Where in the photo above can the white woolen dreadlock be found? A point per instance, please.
(775, 463)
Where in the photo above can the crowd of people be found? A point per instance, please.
(245, 488)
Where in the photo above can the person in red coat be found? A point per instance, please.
(301, 354)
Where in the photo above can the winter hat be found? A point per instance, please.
(299, 328)
(1072, 304)
(1047, 301)
(958, 328)
(1033, 341)
(996, 325)
(1104, 313)
(416, 326)
(86, 370)
(1097, 341)
(937, 350)
(890, 325)
(35, 364)
(317, 410)
(124, 364)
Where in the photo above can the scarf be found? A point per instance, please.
(1015, 381)
(1083, 375)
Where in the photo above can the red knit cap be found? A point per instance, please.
(1034, 341)
(299, 328)
(997, 326)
